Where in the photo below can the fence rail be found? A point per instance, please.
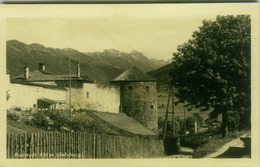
(80, 145)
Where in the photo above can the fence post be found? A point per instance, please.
(94, 146)
(8, 146)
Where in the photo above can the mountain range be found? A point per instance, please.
(162, 74)
(98, 66)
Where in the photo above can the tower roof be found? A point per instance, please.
(133, 74)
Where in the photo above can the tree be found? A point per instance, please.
(212, 70)
(179, 123)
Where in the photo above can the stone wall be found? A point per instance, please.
(139, 100)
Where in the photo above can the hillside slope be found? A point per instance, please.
(162, 74)
(99, 66)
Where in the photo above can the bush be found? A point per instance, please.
(198, 118)
(60, 121)
(17, 109)
(50, 120)
(190, 122)
(40, 120)
(178, 126)
(55, 120)
(233, 120)
(195, 140)
(13, 116)
(28, 120)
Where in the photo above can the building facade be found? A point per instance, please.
(133, 93)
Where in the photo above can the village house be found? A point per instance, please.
(132, 93)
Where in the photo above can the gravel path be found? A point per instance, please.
(236, 143)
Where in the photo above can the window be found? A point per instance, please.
(151, 106)
(87, 94)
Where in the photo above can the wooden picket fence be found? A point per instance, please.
(80, 145)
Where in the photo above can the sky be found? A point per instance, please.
(155, 30)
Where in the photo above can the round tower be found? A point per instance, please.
(138, 97)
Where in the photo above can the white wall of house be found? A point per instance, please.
(95, 97)
(91, 96)
(25, 96)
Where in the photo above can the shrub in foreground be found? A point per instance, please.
(195, 140)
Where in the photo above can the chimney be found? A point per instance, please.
(41, 66)
(26, 72)
(78, 69)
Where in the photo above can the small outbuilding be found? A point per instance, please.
(45, 104)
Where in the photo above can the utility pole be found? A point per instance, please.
(173, 121)
(69, 88)
(184, 120)
(171, 95)
(166, 115)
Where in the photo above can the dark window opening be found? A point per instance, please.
(147, 87)
(87, 94)
(151, 106)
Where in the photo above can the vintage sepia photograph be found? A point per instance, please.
(130, 82)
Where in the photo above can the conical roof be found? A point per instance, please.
(133, 74)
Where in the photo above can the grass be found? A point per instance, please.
(162, 98)
(216, 143)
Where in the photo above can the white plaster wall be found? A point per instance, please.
(105, 99)
(77, 101)
(25, 96)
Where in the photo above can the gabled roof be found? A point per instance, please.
(122, 123)
(38, 85)
(39, 75)
(133, 74)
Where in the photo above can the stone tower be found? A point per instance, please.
(138, 97)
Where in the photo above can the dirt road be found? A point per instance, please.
(233, 149)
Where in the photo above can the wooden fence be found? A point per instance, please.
(81, 145)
